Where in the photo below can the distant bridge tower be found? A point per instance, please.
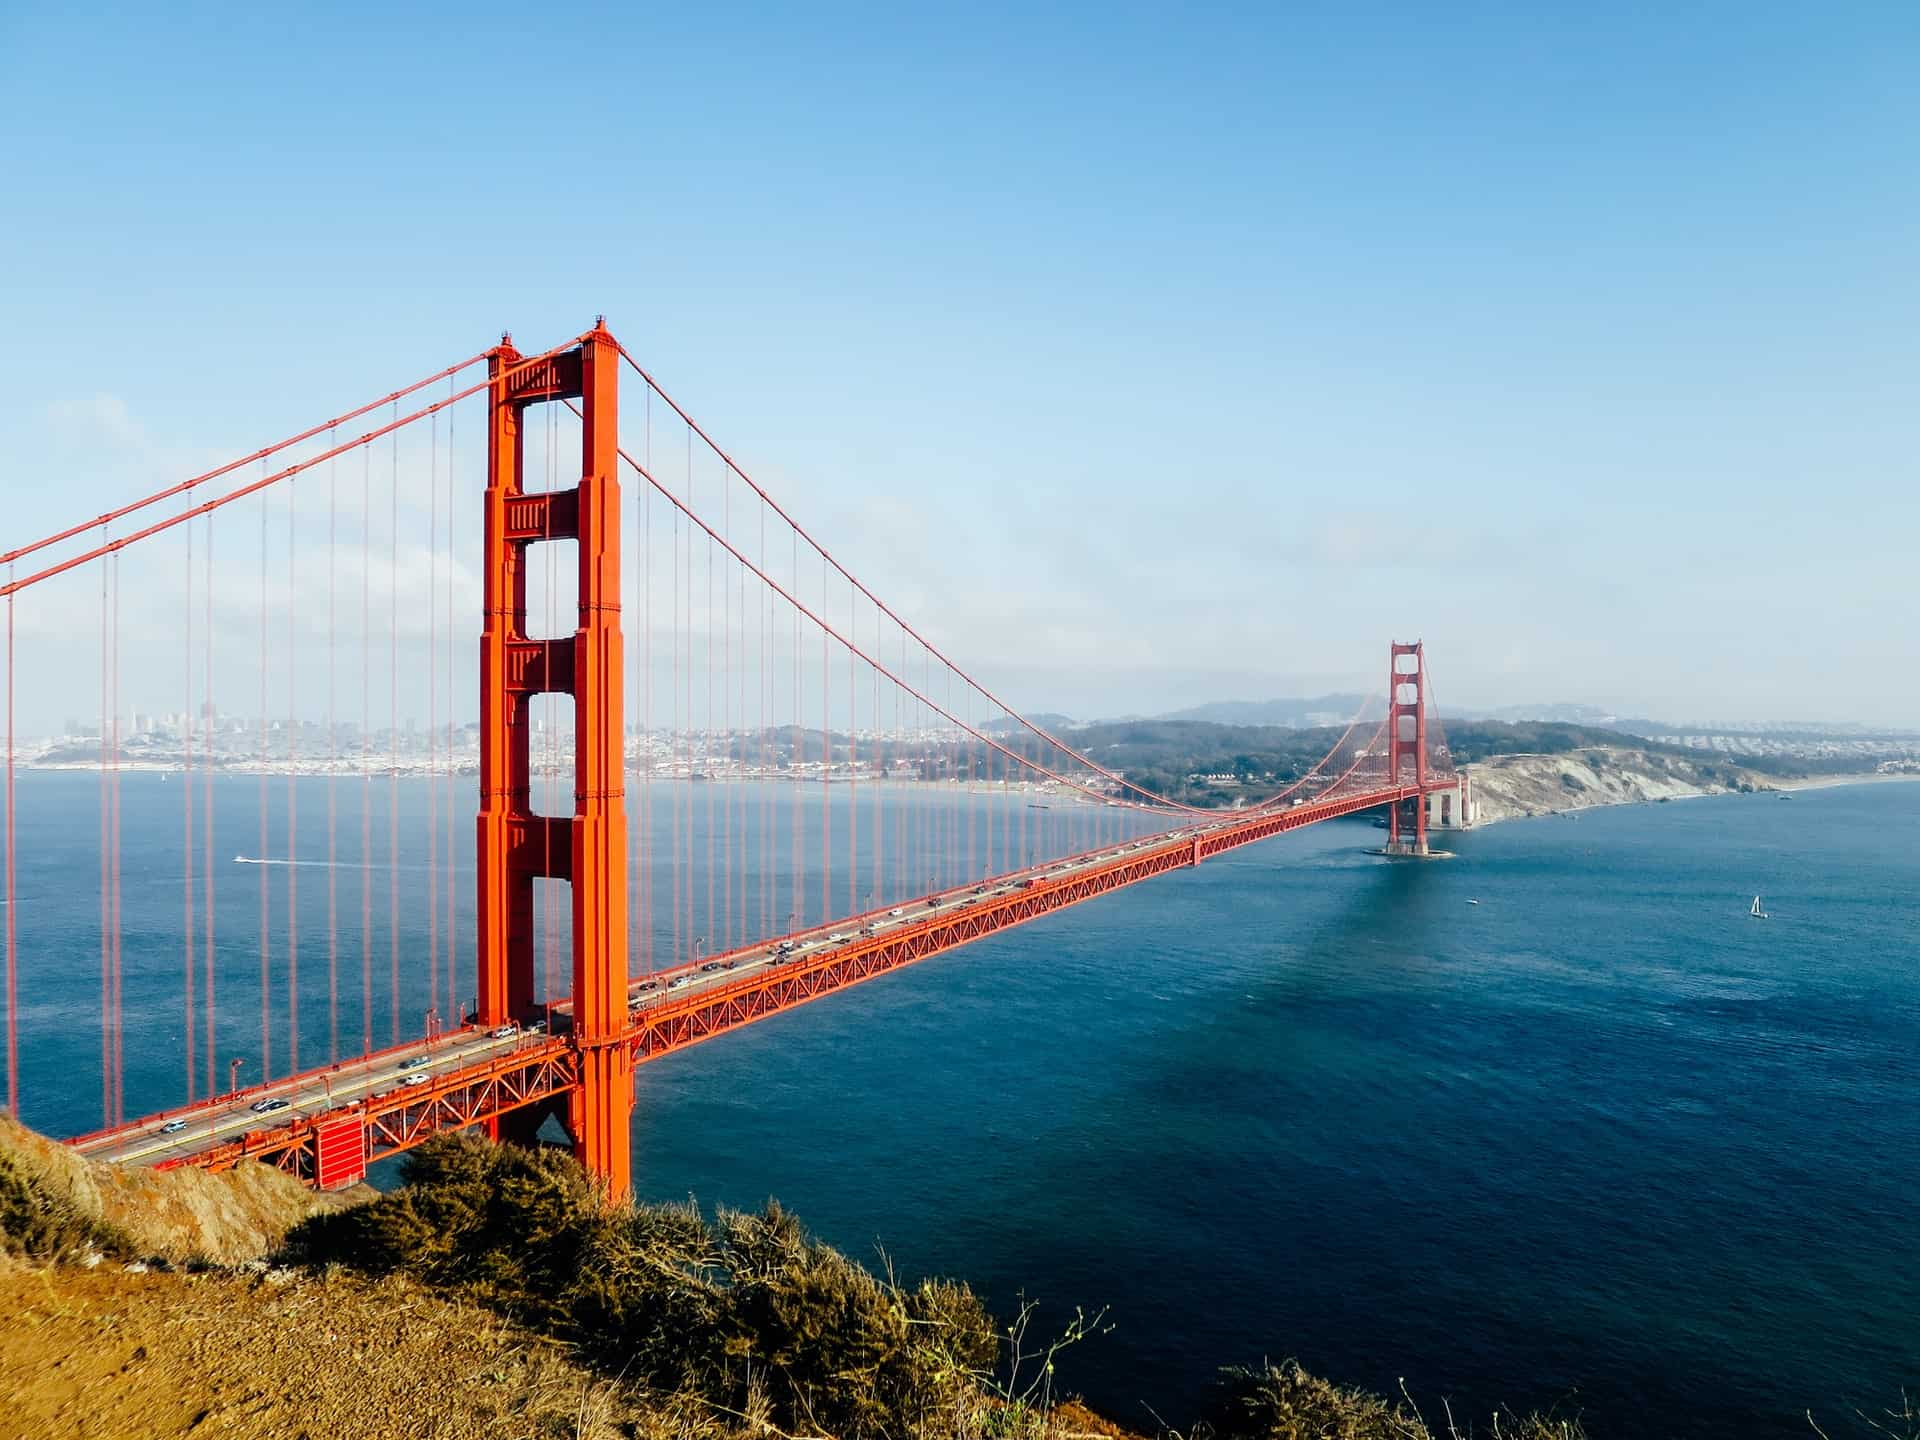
(1407, 746)
(588, 848)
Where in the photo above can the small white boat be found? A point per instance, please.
(1756, 912)
(1473, 902)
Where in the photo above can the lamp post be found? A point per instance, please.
(233, 1075)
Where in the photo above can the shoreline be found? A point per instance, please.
(1832, 782)
(1781, 787)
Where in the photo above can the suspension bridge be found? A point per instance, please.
(775, 789)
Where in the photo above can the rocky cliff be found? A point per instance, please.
(1507, 787)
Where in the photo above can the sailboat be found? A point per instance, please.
(1756, 912)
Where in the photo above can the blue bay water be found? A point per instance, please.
(1598, 1141)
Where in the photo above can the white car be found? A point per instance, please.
(838, 939)
(505, 1032)
(896, 912)
(419, 1077)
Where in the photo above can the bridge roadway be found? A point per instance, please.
(403, 1094)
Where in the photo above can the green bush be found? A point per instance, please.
(746, 1312)
(1284, 1402)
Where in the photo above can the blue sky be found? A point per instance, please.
(1235, 341)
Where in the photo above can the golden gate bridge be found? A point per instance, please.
(338, 568)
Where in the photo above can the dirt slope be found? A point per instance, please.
(103, 1353)
(178, 1214)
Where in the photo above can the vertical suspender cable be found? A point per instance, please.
(647, 852)
(333, 758)
(393, 732)
(673, 743)
(293, 869)
(706, 728)
(366, 749)
(266, 943)
(796, 897)
(646, 714)
(206, 824)
(763, 620)
(13, 944)
(826, 763)
(453, 949)
(737, 747)
(433, 717)
(106, 942)
(119, 1030)
(723, 938)
(189, 952)
(853, 763)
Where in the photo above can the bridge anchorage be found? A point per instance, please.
(863, 802)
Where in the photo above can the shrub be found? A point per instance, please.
(1284, 1402)
(748, 1313)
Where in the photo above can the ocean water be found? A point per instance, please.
(1599, 1141)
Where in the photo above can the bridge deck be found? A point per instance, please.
(400, 1096)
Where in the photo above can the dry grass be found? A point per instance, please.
(106, 1353)
(54, 1203)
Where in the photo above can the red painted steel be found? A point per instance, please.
(516, 846)
(339, 1153)
(1407, 700)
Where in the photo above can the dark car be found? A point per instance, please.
(267, 1107)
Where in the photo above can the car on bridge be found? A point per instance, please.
(267, 1107)
(419, 1077)
(173, 1127)
(504, 1032)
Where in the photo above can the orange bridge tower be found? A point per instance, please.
(1407, 745)
(587, 848)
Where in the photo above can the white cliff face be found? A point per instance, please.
(1509, 786)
